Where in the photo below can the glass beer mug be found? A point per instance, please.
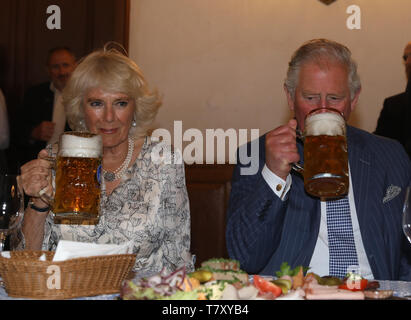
(76, 185)
(325, 168)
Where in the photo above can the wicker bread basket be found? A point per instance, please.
(25, 276)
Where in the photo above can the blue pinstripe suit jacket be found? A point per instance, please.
(263, 231)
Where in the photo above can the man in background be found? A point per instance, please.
(42, 113)
(395, 117)
(4, 133)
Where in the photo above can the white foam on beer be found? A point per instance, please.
(81, 147)
(326, 123)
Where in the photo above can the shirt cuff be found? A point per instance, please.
(278, 185)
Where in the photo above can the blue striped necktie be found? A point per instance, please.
(341, 244)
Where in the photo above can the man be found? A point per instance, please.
(4, 133)
(42, 113)
(395, 117)
(271, 219)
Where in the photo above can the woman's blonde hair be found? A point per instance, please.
(112, 71)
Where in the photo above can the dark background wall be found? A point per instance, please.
(25, 41)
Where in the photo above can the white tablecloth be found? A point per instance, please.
(400, 288)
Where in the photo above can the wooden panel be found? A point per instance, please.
(208, 188)
(25, 38)
(110, 21)
(25, 41)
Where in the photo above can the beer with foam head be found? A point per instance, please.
(77, 189)
(325, 154)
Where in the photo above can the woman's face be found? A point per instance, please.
(109, 115)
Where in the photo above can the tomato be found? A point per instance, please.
(266, 286)
(354, 285)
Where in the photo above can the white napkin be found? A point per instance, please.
(70, 249)
(6, 254)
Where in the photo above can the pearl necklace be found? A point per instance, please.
(118, 173)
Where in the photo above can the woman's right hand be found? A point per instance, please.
(36, 175)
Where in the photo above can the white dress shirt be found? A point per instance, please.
(59, 115)
(4, 124)
(320, 260)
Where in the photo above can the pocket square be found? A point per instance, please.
(392, 192)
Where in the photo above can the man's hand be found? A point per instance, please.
(44, 131)
(281, 149)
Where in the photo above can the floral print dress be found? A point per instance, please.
(150, 207)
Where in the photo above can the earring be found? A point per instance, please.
(134, 123)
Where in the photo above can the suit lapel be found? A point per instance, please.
(306, 213)
(365, 198)
(407, 120)
(360, 166)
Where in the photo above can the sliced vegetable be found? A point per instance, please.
(330, 281)
(159, 286)
(354, 285)
(201, 275)
(284, 284)
(314, 275)
(298, 279)
(326, 280)
(354, 282)
(286, 270)
(265, 286)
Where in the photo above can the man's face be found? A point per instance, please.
(407, 60)
(61, 65)
(324, 86)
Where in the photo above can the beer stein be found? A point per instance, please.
(325, 169)
(76, 198)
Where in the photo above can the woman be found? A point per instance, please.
(141, 200)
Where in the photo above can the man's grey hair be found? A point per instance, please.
(322, 51)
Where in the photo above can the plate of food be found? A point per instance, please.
(223, 279)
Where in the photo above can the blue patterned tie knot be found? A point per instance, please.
(341, 244)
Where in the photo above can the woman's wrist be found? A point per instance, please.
(39, 205)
